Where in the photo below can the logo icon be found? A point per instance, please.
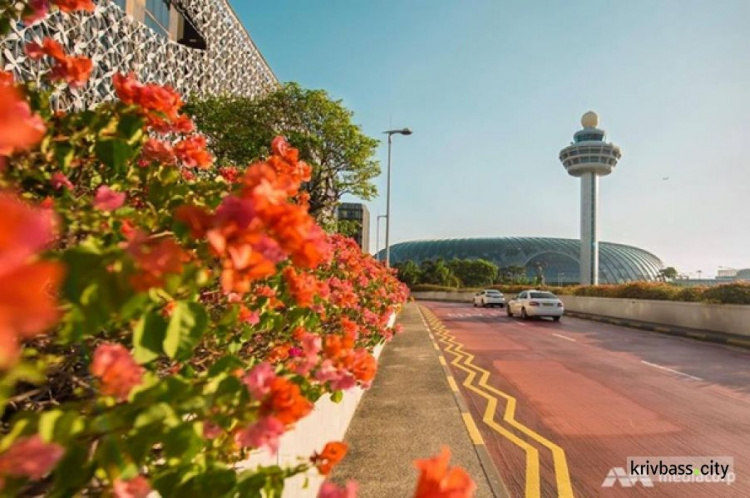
(618, 474)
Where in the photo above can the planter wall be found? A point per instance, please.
(328, 422)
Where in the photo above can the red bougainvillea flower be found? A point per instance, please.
(59, 181)
(331, 455)
(364, 366)
(157, 151)
(192, 152)
(29, 457)
(160, 105)
(27, 305)
(286, 402)
(20, 129)
(116, 370)
(230, 174)
(330, 490)
(138, 487)
(35, 11)
(74, 5)
(73, 70)
(264, 433)
(107, 199)
(154, 259)
(249, 317)
(437, 480)
(302, 286)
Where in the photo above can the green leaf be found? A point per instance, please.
(74, 470)
(148, 337)
(114, 152)
(183, 442)
(130, 127)
(158, 413)
(64, 153)
(47, 423)
(337, 396)
(185, 329)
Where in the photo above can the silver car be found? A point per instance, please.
(534, 303)
(489, 297)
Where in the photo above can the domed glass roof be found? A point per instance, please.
(558, 259)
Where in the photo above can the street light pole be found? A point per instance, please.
(377, 238)
(390, 133)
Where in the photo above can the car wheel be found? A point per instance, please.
(556, 318)
(475, 304)
(508, 311)
(523, 314)
(484, 304)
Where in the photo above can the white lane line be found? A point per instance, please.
(670, 370)
(565, 337)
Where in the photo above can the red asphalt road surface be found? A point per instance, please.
(601, 392)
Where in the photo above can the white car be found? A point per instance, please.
(489, 297)
(534, 303)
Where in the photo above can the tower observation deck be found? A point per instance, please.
(589, 157)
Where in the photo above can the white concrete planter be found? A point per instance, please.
(327, 422)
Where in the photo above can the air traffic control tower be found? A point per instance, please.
(589, 157)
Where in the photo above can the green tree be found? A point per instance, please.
(438, 273)
(340, 154)
(668, 273)
(474, 272)
(408, 273)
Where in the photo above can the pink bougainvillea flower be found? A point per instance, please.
(117, 370)
(249, 317)
(107, 199)
(30, 457)
(157, 151)
(59, 181)
(137, 487)
(330, 490)
(211, 430)
(264, 433)
(258, 380)
(437, 480)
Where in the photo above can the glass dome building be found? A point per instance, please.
(558, 259)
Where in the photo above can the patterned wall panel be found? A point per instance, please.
(231, 64)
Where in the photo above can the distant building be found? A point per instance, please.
(351, 211)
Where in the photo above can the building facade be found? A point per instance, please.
(199, 47)
(358, 213)
(557, 259)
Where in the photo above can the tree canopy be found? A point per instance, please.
(342, 157)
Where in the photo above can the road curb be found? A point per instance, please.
(496, 483)
(699, 335)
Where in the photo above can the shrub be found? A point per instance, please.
(738, 293)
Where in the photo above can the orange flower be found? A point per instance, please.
(26, 304)
(285, 401)
(437, 480)
(74, 5)
(29, 457)
(159, 104)
(19, 128)
(301, 285)
(155, 259)
(117, 370)
(192, 152)
(331, 455)
(75, 71)
(363, 366)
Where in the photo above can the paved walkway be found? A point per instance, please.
(409, 413)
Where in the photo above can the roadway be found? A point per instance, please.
(560, 404)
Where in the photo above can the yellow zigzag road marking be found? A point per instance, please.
(561, 467)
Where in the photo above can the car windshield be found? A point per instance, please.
(492, 293)
(543, 295)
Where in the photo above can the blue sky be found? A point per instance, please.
(494, 89)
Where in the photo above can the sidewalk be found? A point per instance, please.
(410, 412)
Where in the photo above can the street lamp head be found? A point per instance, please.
(403, 131)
